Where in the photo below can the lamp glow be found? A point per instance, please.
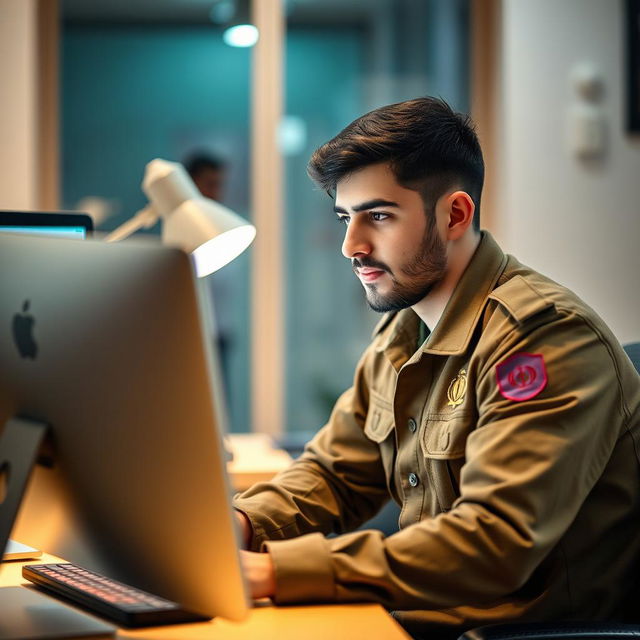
(241, 35)
(213, 234)
(219, 251)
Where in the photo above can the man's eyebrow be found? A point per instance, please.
(369, 204)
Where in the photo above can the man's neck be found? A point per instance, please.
(431, 307)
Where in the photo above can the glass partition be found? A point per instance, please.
(136, 90)
(344, 59)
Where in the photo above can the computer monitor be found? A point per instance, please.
(104, 343)
(55, 223)
(71, 224)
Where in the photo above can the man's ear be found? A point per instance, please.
(460, 208)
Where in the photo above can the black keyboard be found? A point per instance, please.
(119, 602)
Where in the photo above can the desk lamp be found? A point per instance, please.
(211, 233)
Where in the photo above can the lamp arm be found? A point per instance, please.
(144, 218)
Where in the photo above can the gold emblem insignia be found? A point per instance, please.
(457, 389)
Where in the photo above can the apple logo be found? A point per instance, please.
(23, 332)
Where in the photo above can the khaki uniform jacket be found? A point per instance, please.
(511, 441)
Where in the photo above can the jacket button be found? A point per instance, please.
(412, 425)
(413, 480)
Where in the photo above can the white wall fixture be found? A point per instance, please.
(586, 127)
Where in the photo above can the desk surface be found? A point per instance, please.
(255, 459)
(265, 622)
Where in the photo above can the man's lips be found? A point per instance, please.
(367, 274)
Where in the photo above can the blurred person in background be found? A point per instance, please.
(208, 174)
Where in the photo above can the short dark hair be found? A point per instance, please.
(429, 147)
(199, 161)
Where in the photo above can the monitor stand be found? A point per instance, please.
(19, 445)
(26, 614)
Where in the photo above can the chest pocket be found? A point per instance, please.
(378, 427)
(443, 443)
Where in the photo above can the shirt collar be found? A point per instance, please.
(453, 332)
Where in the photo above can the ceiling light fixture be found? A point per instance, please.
(241, 32)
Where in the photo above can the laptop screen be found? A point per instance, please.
(63, 224)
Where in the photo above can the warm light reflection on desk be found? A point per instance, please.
(256, 460)
(265, 622)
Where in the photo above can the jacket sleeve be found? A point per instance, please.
(516, 496)
(334, 486)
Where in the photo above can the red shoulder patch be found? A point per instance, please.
(521, 376)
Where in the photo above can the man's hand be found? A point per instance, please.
(259, 574)
(257, 567)
(245, 527)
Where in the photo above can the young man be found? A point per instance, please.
(493, 405)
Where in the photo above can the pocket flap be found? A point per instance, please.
(378, 424)
(444, 439)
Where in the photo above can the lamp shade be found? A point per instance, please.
(212, 233)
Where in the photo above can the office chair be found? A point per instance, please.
(633, 351)
(589, 630)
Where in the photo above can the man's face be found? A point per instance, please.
(393, 245)
(210, 182)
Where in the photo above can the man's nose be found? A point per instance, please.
(356, 242)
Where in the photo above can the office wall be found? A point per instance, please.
(577, 221)
(18, 82)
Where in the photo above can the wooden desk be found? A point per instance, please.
(265, 622)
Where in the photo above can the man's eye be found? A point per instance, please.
(343, 220)
(378, 216)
